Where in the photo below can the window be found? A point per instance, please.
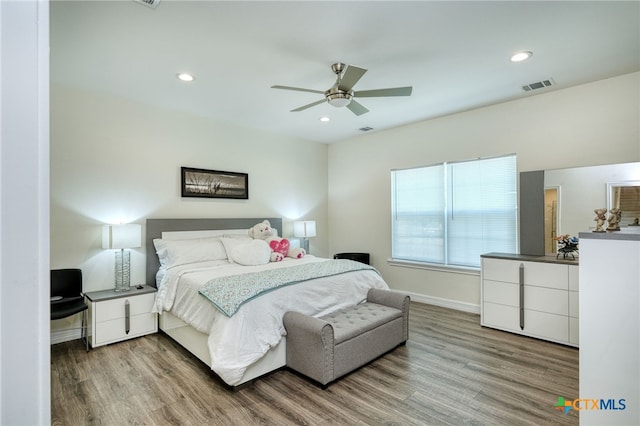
(451, 213)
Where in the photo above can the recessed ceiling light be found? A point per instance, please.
(324, 119)
(185, 76)
(521, 56)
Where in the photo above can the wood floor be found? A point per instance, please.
(451, 372)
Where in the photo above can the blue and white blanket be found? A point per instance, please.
(229, 293)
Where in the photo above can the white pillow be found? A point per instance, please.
(247, 252)
(180, 252)
(244, 236)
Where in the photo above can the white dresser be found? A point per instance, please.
(536, 296)
(116, 316)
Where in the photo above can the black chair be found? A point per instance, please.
(67, 298)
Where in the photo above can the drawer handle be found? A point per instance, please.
(126, 317)
(521, 296)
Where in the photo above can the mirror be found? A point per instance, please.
(625, 196)
(580, 190)
(570, 197)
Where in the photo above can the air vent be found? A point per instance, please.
(151, 3)
(365, 129)
(537, 85)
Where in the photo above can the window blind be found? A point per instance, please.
(451, 213)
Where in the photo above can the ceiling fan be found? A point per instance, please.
(341, 94)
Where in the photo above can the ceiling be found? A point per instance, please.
(455, 54)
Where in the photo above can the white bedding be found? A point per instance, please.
(237, 342)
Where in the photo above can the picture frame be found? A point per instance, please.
(203, 183)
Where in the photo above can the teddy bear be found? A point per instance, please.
(279, 246)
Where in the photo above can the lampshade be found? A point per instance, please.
(122, 236)
(304, 229)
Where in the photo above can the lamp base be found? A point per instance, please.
(304, 243)
(122, 270)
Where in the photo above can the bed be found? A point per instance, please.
(240, 339)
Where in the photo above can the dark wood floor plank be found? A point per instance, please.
(452, 371)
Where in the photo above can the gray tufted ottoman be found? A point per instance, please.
(329, 347)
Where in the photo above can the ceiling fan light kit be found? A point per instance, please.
(338, 99)
(341, 94)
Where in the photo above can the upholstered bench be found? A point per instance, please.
(329, 347)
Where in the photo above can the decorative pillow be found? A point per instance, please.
(247, 252)
(280, 246)
(180, 252)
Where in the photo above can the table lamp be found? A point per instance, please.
(121, 238)
(304, 229)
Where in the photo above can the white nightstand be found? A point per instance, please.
(116, 316)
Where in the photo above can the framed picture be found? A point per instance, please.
(214, 184)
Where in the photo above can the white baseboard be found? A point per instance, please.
(444, 303)
(61, 336)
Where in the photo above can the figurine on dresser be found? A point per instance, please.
(600, 219)
(614, 219)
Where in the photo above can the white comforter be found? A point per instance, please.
(237, 342)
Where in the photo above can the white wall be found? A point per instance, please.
(24, 214)
(596, 123)
(115, 160)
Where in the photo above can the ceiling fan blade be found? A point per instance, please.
(302, 108)
(357, 108)
(298, 89)
(351, 77)
(395, 91)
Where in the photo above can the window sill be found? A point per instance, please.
(466, 270)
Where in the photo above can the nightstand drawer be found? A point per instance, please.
(115, 330)
(114, 309)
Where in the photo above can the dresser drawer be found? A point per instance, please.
(535, 273)
(546, 275)
(574, 304)
(574, 331)
(113, 309)
(546, 325)
(536, 298)
(501, 270)
(501, 316)
(501, 293)
(536, 324)
(574, 278)
(547, 300)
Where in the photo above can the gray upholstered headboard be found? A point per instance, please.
(155, 228)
